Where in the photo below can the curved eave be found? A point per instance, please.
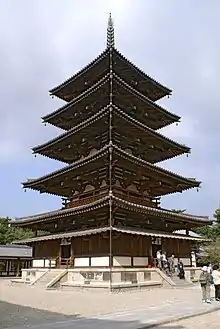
(123, 230)
(159, 212)
(172, 117)
(191, 182)
(31, 183)
(77, 99)
(167, 91)
(62, 213)
(41, 148)
(56, 89)
(82, 125)
(142, 126)
(137, 93)
(188, 183)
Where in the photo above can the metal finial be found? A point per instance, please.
(110, 33)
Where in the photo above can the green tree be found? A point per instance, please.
(217, 216)
(212, 253)
(8, 233)
(211, 232)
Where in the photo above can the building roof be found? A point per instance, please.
(62, 213)
(166, 117)
(125, 230)
(191, 233)
(59, 186)
(56, 147)
(15, 251)
(121, 60)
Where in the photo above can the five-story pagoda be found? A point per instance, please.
(111, 183)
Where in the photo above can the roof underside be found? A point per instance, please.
(97, 97)
(71, 218)
(65, 181)
(127, 230)
(85, 78)
(74, 143)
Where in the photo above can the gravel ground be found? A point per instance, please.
(207, 321)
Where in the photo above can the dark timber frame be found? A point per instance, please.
(111, 185)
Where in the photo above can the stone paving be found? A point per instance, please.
(207, 321)
(58, 309)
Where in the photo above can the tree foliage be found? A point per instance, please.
(8, 233)
(212, 249)
(212, 253)
(211, 232)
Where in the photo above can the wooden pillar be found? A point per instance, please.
(18, 267)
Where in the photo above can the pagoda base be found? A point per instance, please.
(113, 279)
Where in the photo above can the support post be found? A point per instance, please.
(110, 170)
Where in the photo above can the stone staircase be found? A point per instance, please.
(180, 283)
(49, 276)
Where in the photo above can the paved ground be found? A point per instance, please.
(12, 315)
(208, 321)
(32, 306)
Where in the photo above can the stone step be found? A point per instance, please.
(46, 278)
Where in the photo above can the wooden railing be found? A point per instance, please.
(130, 197)
(92, 196)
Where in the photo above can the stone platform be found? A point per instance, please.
(113, 279)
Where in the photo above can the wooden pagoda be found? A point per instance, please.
(111, 184)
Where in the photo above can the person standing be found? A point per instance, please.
(164, 259)
(180, 269)
(172, 264)
(216, 280)
(159, 259)
(204, 281)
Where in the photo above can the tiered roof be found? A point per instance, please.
(110, 122)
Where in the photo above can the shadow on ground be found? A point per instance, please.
(17, 317)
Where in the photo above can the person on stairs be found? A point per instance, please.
(204, 281)
(216, 279)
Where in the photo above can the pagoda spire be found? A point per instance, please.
(110, 33)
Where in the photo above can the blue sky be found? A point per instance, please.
(44, 42)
